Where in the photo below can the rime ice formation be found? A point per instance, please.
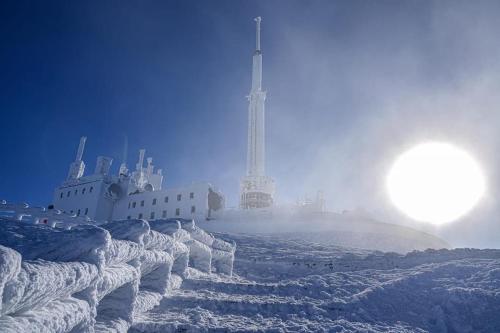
(103, 196)
(86, 278)
(172, 276)
(256, 189)
(290, 285)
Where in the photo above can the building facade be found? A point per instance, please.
(103, 196)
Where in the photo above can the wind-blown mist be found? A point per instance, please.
(364, 89)
(350, 86)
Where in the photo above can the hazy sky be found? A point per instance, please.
(351, 84)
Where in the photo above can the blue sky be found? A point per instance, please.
(350, 85)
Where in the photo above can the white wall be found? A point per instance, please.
(91, 202)
(199, 201)
(76, 199)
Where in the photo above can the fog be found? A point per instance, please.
(364, 82)
(351, 84)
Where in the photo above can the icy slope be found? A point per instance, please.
(283, 285)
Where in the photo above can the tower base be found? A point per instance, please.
(256, 192)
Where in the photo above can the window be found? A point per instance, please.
(67, 194)
(164, 214)
(129, 203)
(76, 191)
(179, 196)
(154, 201)
(62, 194)
(191, 195)
(140, 216)
(78, 213)
(177, 211)
(152, 216)
(71, 212)
(129, 217)
(166, 199)
(193, 209)
(134, 204)
(83, 190)
(91, 189)
(86, 211)
(142, 203)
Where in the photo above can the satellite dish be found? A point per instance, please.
(215, 200)
(115, 191)
(149, 188)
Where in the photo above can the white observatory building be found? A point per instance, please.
(102, 196)
(256, 189)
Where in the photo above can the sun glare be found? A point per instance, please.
(435, 182)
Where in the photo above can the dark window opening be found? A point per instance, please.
(191, 195)
(164, 214)
(166, 199)
(154, 201)
(177, 211)
(179, 196)
(152, 215)
(193, 209)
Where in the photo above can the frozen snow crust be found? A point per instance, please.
(283, 284)
(87, 278)
(172, 276)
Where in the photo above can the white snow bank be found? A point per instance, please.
(200, 255)
(93, 277)
(335, 290)
(58, 316)
(39, 282)
(82, 243)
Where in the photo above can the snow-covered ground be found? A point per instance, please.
(281, 284)
(90, 278)
(172, 276)
(348, 229)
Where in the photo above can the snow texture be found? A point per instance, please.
(284, 284)
(172, 276)
(91, 278)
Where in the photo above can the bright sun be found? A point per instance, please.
(435, 182)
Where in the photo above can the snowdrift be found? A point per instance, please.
(283, 285)
(349, 229)
(78, 277)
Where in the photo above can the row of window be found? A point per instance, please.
(163, 213)
(79, 211)
(61, 195)
(133, 204)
